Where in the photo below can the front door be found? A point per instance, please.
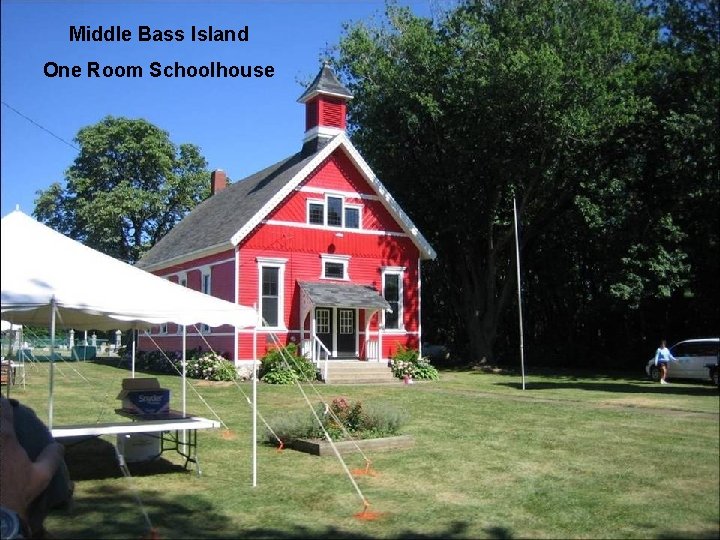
(346, 332)
(324, 327)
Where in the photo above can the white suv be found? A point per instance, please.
(691, 359)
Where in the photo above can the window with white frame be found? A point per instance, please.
(322, 321)
(316, 213)
(352, 217)
(335, 266)
(271, 293)
(164, 327)
(393, 294)
(182, 281)
(347, 321)
(206, 287)
(333, 211)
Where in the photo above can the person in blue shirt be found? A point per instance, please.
(662, 357)
(32, 469)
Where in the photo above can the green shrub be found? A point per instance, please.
(166, 362)
(339, 418)
(209, 365)
(284, 366)
(406, 362)
(295, 425)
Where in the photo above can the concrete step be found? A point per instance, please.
(354, 372)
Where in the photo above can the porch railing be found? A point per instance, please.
(318, 353)
(372, 352)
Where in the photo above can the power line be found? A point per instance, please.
(41, 127)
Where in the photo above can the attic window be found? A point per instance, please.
(352, 217)
(335, 266)
(334, 270)
(334, 212)
(316, 213)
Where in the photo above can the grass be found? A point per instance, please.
(572, 456)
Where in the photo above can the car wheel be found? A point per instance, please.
(654, 373)
(715, 378)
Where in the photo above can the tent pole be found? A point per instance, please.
(254, 406)
(184, 370)
(53, 304)
(517, 258)
(134, 336)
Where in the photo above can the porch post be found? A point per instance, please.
(313, 330)
(381, 326)
(302, 334)
(367, 334)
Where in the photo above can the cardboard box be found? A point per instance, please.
(144, 396)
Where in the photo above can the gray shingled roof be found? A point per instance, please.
(325, 83)
(214, 221)
(333, 294)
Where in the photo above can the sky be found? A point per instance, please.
(241, 125)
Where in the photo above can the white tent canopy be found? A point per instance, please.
(6, 326)
(50, 279)
(91, 290)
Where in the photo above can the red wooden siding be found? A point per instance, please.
(222, 271)
(337, 174)
(285, 234)
(302, 246)
(221, 281)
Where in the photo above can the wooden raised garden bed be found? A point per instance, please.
(323, 448)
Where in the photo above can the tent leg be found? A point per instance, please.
(184, 370)
(183, 441)
(134, 335)
(52, 362)
(254, 406)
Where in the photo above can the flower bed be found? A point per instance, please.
(342, 420)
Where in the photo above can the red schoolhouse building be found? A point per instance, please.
(315, 242)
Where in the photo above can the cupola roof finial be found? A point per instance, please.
(325, 83)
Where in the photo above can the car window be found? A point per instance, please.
(681, 349)
(695, 349)
(707, 349)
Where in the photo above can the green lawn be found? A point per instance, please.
(569, 457)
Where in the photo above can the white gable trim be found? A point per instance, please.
(427, 252)
(285, 191)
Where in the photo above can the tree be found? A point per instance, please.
(684, 145)
(498, 99)
(126, 189)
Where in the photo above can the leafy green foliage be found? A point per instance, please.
(285, 366)
(407, 362)
(494, 100)
(342, 419)
(166, 362)
(209, 366)
(126, 189)
(598, 117)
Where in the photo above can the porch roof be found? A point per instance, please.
(343, 295)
